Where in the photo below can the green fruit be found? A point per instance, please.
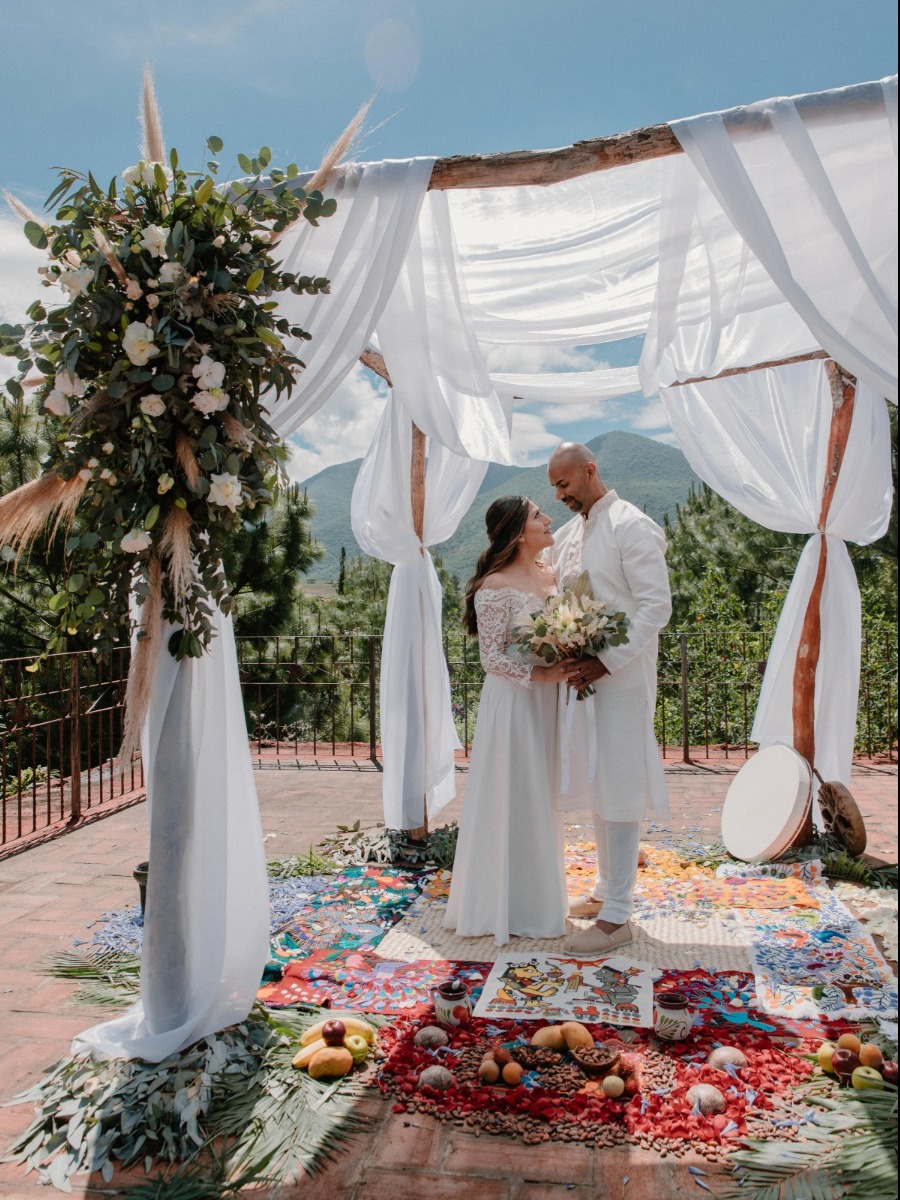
(866, 1077)
(358, 1047)
(825, 1052)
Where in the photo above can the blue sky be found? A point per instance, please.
(448, 76)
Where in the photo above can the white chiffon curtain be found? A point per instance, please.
(761, 441)
(206, 922)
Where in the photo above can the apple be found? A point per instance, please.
(870, 1056)
(358, 1047)
(334, 1032)
(843, 1063)
(889, 1072)
(866, 1077)
(849, 1041)
(825, 1051)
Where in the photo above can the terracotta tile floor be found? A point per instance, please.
(49, 894)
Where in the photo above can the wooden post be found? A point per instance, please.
(843, 396)
(417, 502)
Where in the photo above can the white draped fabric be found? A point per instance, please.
(206, 924)
(761, 441)
(361, 250)
(417, 731)
(810, 186)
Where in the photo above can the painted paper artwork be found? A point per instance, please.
(617, 990)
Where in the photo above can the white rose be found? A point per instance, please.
(133, 290)
(164, 483)
(144, 173)
(171, 272)
(153, 240)
(152, 302)
(152, 406)
(77, 282)
(85, 473)
(246, 247)
(209, 373)
(107, 447)
(219, 241)
(57, 403)
(105, 473)
(68, 383)
(210, 400)
(225, 490)
(138, 343)
(136, 541)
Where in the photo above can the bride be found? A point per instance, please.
(509, 874)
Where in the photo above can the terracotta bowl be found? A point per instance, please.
(598, 1060)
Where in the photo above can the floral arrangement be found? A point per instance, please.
(153, 371)
(572, 624)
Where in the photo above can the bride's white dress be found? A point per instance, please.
(509, 871)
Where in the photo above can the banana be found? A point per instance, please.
(351, 1025)
(301, 1059)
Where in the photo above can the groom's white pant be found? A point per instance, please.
(617, 863)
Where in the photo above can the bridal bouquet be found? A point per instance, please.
(572, 625)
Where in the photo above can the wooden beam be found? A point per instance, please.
(375, 362)
(764, 366)
(843, 396)
(417, 465)
(524, 168)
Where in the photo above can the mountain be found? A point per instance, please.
(650, 474)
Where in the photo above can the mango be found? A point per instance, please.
(331, 1063)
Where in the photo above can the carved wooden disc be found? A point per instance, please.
(841, 816)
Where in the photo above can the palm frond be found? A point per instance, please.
(849, 1149)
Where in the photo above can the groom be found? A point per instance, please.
(623, 551)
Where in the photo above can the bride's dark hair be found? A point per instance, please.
(505, 520)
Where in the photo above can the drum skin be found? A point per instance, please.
(767, 804)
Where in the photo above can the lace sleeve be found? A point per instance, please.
(494, 610)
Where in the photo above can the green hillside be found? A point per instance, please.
(650, 474)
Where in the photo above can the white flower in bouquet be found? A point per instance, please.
(138, 343)
(572, 624)
(136, 541)
(210, 400)
(153, 240)
(133, 290)
(153, 406)
(225, 490)
(171, 272)
(57, 403)
(68, 383)
(77, 282)
(144, 174)
(209, 373)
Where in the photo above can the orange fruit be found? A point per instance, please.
(849, 1041)
(870, 1055)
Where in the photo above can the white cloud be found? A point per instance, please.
(20, 284)
(535, 360)
(340, 431)
(532, 441)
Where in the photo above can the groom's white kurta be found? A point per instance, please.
(623, 551)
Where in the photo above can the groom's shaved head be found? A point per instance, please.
(574, 477)
(572, 454)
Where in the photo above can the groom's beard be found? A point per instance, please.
(572, 504)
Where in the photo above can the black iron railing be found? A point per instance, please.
(315, 697)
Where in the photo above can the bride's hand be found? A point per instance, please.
(557, 672)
